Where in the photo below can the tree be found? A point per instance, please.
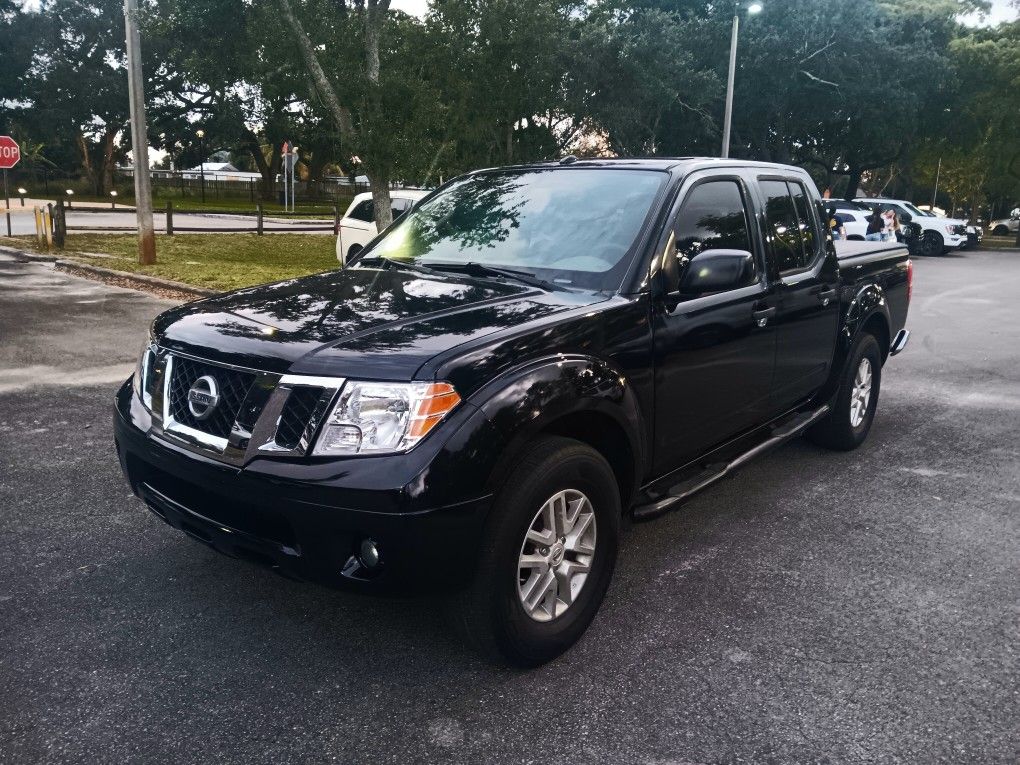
(370, 132)
(78, 89)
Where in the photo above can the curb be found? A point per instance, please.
(127, 276)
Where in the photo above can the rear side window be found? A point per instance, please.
(713, 217)
(782, 227)
(805, 223)
(791, 229)
(363, 211)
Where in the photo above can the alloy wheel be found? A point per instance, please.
(556, 555)
(860, 395)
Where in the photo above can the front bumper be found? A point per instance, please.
(305, 519)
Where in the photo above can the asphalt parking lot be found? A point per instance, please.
(817, 607)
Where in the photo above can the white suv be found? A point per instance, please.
(1005, 226)
(938, 234)
(357, 228)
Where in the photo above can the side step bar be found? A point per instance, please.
(899, 342)
(717, 471)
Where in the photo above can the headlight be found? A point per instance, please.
(376, 417)
(143, 377)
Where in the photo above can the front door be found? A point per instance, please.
(714, 352)
(807, 300)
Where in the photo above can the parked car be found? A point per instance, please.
(1005, 226)
(855, 223)
(938, 234)
(478, 399)
(357, 228)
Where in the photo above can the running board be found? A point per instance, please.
(717, 471)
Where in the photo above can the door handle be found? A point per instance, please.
(825, 295)
(762, 315)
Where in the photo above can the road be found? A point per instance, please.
(817, 607)
(23, 221)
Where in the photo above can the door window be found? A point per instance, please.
(713, 217)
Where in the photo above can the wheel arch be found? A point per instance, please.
(577, 397)
(868, 311)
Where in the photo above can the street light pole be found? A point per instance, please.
(728, 115)
(201, 162)
(139, 136)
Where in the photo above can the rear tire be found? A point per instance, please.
(494, 611)
(354, 250)
(853, 410)
(932, 244)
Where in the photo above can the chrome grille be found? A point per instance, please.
(233, 389)
(256, 412)
(297, 414)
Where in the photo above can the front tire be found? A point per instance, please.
(547, 556)
(932, 244)
(1001, 231)
(853, 410)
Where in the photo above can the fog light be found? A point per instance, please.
(369, 554)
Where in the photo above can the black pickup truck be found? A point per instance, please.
(522, 361)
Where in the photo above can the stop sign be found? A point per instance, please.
(9, 152)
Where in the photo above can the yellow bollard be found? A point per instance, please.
(48, 228)
(39, 236)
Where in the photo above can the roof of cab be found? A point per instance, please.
(651, 163)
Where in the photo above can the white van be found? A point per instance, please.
(357, 228)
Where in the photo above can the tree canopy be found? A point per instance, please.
(879, 93)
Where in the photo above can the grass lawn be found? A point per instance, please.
(215, 261)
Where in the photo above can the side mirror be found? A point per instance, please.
(717, 271)
(906, 217)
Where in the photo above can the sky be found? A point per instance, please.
(1001, 11)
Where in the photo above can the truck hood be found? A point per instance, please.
(360, 322)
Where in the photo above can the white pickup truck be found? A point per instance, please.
(938, 235)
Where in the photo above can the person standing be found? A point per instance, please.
(836, 224)
(889, 225)
(876, 225)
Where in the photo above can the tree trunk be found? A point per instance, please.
(378, 179)
(106, 176)
(86, 159)
(379, 183)
(853, 182)
(375, 14)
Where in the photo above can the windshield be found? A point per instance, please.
(914, 211)
(572, 227)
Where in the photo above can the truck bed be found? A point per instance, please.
(854, 249)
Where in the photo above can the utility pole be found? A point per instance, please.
(139, 136)
(731, 75)
(934, 193)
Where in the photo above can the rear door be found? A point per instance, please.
(807, 308)
(714, 353)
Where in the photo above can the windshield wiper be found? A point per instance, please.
(480, 269)
(405, 264)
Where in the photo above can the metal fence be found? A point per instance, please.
(46, 182)
(52, 226)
